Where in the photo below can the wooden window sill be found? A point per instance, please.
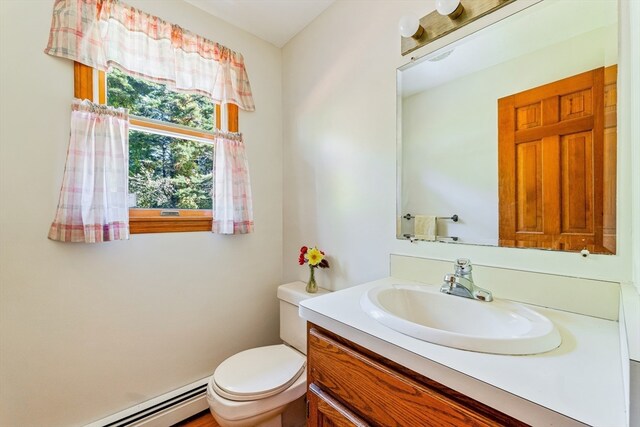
(149, 221)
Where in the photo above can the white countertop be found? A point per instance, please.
(578, 383)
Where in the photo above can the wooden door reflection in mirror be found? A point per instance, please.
(557, 164)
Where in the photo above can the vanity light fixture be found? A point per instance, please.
(450, 8)
(409, 26)
(448, 17)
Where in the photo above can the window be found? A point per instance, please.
(169, 173)
(170, 151)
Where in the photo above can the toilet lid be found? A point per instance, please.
(258, 373)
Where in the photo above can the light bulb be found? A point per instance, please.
(409, 26)
(450, 8)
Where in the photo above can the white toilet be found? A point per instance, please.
(254, 387)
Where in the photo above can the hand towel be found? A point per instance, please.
(425, 228)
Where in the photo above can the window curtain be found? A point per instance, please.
(232, 206)
(105, 33)
(93, 199)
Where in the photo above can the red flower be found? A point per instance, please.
(303, 250)
(301, 259)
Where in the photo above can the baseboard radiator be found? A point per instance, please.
(162, 411)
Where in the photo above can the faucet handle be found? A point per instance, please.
(463, 265)
(448, 284)
(450, 279)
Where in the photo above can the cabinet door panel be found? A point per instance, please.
(325, 411)
(379, 395)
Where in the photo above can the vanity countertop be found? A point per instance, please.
(578, 383)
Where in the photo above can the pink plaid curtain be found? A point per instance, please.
(93, 198)
(105, 33)
(232, 206)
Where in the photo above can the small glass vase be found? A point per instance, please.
(312, 286)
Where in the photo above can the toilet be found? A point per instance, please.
(254, 387)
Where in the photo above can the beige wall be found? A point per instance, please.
(89, 330)
(339, 137)
(339, 104)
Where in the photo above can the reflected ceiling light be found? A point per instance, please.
(409, 26)
(450, 8)
(441, 56)
(448, 17)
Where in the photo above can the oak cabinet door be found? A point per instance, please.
(325, 411)
(377, 394)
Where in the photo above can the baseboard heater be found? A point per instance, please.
(162, 411)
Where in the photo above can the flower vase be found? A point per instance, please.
(312, 286)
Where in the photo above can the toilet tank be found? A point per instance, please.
(293, 328)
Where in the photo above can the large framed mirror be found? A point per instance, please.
(507, 137)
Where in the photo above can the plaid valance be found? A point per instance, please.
(106, 33)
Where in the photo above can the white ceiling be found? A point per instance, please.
(275, 21)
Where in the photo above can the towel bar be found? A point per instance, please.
(412, 238)
(453, 218)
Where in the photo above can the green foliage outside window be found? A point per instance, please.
(165, 172)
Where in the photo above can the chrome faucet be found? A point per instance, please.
(461, 283)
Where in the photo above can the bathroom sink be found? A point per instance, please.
(500, 326)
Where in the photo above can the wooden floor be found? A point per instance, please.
(203, 419)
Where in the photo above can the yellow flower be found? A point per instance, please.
(314, 256)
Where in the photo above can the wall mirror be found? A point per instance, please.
(507, 137)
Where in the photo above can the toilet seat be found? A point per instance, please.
(258, 373)
(229, 412)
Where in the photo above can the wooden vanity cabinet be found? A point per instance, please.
(326, 411)
(352, 386)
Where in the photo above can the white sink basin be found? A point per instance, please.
(500, 326)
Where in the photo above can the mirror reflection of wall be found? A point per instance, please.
(449, 111)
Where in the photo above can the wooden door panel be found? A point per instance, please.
(529, 187)
(577, 183)
(581, 124)
(529, 116)
(576, 104)
(551, 110)
(551, 195)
